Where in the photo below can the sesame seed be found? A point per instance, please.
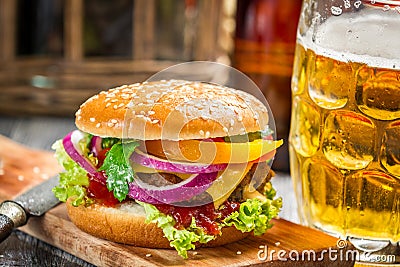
(125, 96)
(79, 118)
(277, 243)
(148, 255)
(20, 177)
(151, 112)
(201, 132)
(98, 125)
(207, 134)
(114, 100)
(108, 104)
(261, 246)
(139, 116)
(110, 124)
(225, 129)
(195, 253)
(114, 121)
(115, 106)
(155, 121)
(92, 119)
(121, 105)
(238, 252)
(78, 112)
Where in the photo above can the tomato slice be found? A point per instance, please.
(213, 152)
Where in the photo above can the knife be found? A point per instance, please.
(34, 202)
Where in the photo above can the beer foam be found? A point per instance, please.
(369, 38)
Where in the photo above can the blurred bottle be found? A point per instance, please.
(264, 48)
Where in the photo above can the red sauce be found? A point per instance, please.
(205, 216)
(229, 207)
(100, 193)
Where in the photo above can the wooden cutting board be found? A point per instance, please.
(22, 168)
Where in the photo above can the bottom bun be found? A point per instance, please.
(126, 224)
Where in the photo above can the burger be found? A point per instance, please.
(171, 163)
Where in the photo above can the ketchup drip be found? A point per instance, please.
(206, 216)
(100, 193)
(97, 190)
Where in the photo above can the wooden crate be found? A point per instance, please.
(57, 85)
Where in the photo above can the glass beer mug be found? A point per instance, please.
(345, 126)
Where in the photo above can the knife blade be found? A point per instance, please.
(34, 202)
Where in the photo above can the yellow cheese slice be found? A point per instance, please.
(227, 182)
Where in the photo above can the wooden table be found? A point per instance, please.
(21, 249)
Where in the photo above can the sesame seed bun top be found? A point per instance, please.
(171, 110)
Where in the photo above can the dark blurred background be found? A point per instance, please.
(62, 51)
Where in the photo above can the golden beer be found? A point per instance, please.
(345, 128)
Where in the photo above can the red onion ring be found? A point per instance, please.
(182, 191)
(150, 161)
(70, 143)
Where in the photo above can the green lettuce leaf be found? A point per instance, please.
(182, 240)
(119, 172)
(255, 215)
(73, 181)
